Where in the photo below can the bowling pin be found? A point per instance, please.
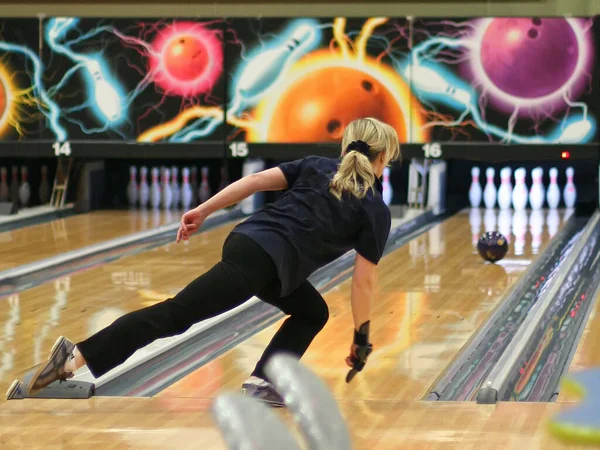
(519, 193)
(570, 191)
(553, 192)
(489, 220)
(489, 192)
(536, 228)
(14, 185)
(475, 222)
(44, 191)
(575, 132)
(428, 80)
(505, 190)
(505, 223)
(4, 190)
(175, 191)
(265, 69)
(144, 191)
(204, 193)
(24, 189)
(519, 230)
(537, 191)
(194, 185)
(186, 189)
(553, 222)
(154, 189)
(475, 189)
(166, 194)
(132, 188)
(388, 192)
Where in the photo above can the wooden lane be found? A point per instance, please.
(79, 305)
(434, 293)
(158, 423)
(29, 244)
(587, 354)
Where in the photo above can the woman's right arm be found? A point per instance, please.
(364, 281)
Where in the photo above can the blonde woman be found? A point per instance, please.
(329, 207)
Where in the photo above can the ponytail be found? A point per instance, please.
(355, 173)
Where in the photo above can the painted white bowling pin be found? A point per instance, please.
(570, 191)
(519, 226)
(24, 189)
(132, 188)
(175, 191)
(536, 228)
(505, 223)
(489, 192)
(553, 192)
(4, 190)
(475, 191)
(144, 191)
(475, 222)
(505, 190)
(553, 222)
(154, 189)
(489, 220)
(263, 70)
(519, 193)
(204, 193)
(388, 192)
(186, 189)
(167, 193)
(537, 191)
(44, 191)
(194, 185)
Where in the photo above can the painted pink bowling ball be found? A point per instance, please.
(529, 58)
(185, 57)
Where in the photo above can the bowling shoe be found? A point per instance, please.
(53, 369)
(265, 392)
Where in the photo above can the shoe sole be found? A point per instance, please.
(53, 351)
(14, 387)
(272, 404)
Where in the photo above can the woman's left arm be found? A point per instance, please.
(267, 180)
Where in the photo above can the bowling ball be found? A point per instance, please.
(3, 100)
(319, 106)
(185, 57)
(529, 58)
(492, 246)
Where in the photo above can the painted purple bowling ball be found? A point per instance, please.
(492, 246)
(529, 58)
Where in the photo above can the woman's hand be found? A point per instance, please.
(191, 222)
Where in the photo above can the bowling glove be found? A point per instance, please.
(362, 349)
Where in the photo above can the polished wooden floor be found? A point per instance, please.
(433, 294)
(29, 244)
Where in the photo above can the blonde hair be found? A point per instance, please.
(355, 173)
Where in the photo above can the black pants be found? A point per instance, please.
(244, 271)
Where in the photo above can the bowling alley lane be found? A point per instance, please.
(587, 355)
(37, 242)
(79, 305)
(434, 293)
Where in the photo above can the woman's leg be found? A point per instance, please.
(244, 271)
(308, 314)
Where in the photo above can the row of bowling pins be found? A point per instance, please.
(508, 223)
(19, 191)
(519, 195)
(166, 191)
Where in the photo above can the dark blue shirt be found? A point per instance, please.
(307, 227)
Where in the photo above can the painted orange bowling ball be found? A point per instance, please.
(319, 106)
(185, 57)
(3, 99)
